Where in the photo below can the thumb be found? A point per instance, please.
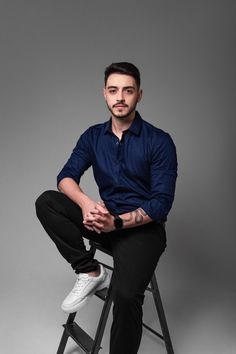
(101, 208)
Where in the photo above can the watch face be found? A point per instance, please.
(118, 222)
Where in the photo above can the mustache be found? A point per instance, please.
(120, 104)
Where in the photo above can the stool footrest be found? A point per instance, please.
(153, 331)
(79, 336)
(102, 294)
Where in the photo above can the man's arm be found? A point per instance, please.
(73, 191)
(135, 218)
(163, 173)
(69, 177)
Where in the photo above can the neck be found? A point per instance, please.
(121, 124)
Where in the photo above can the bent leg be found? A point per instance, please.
(62, 219)
(136, 252)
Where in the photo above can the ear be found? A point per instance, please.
(140, 95)
(104, 92)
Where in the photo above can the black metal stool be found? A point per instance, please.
(92, 346)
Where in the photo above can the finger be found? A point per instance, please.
(94, 211)
(104, 205)
(90, 224)
(98, 211)
(101, 209)
(89, 218)
(98, 225)
(97, 217)
(100, 218)
(93, 219)
(91, 213)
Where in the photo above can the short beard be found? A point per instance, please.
(132, 109)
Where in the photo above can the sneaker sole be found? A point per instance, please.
(78, 306)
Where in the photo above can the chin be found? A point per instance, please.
(122, 115)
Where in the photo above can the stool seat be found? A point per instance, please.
(92, 346)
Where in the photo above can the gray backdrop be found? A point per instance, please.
(53, 55)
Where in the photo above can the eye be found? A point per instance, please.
(112, 91)
(130, 91)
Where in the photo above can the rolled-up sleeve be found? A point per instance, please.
(163, 174)
(79, 161)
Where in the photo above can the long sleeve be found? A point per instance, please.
(163, 174)
(78, 162)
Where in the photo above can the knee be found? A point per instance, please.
(42, 201)
(126, 298)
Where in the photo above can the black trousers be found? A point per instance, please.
(135, 251)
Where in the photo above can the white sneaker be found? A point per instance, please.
(85, 286)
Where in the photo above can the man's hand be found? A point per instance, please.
(88, 206)
(73, 191)
(96, 217)
(99, 219)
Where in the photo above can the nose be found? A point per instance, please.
(120, 96)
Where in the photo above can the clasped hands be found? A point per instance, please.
(99, 219)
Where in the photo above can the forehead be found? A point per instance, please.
(120, 80)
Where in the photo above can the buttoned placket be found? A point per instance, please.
(119, 155)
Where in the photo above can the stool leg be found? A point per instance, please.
(102, 322)
(161, 315)
(65, 335)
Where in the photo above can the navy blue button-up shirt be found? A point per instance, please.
(139, 170)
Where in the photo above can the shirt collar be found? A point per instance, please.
(135, 127)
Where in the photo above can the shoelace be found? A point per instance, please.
(81, 281)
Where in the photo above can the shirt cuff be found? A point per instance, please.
(154, 210)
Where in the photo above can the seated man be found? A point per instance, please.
(135, 168)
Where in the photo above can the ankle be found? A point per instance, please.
(95, 273)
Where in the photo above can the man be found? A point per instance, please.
(135, 168)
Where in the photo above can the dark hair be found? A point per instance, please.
(123, 68)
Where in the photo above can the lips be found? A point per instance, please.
(120, 106)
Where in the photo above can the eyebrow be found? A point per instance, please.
(125, 87)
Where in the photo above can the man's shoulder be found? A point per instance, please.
(156, 137)
(154, 131)
(95, 129)
(98, 126)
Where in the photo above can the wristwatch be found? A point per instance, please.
(118, 222)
